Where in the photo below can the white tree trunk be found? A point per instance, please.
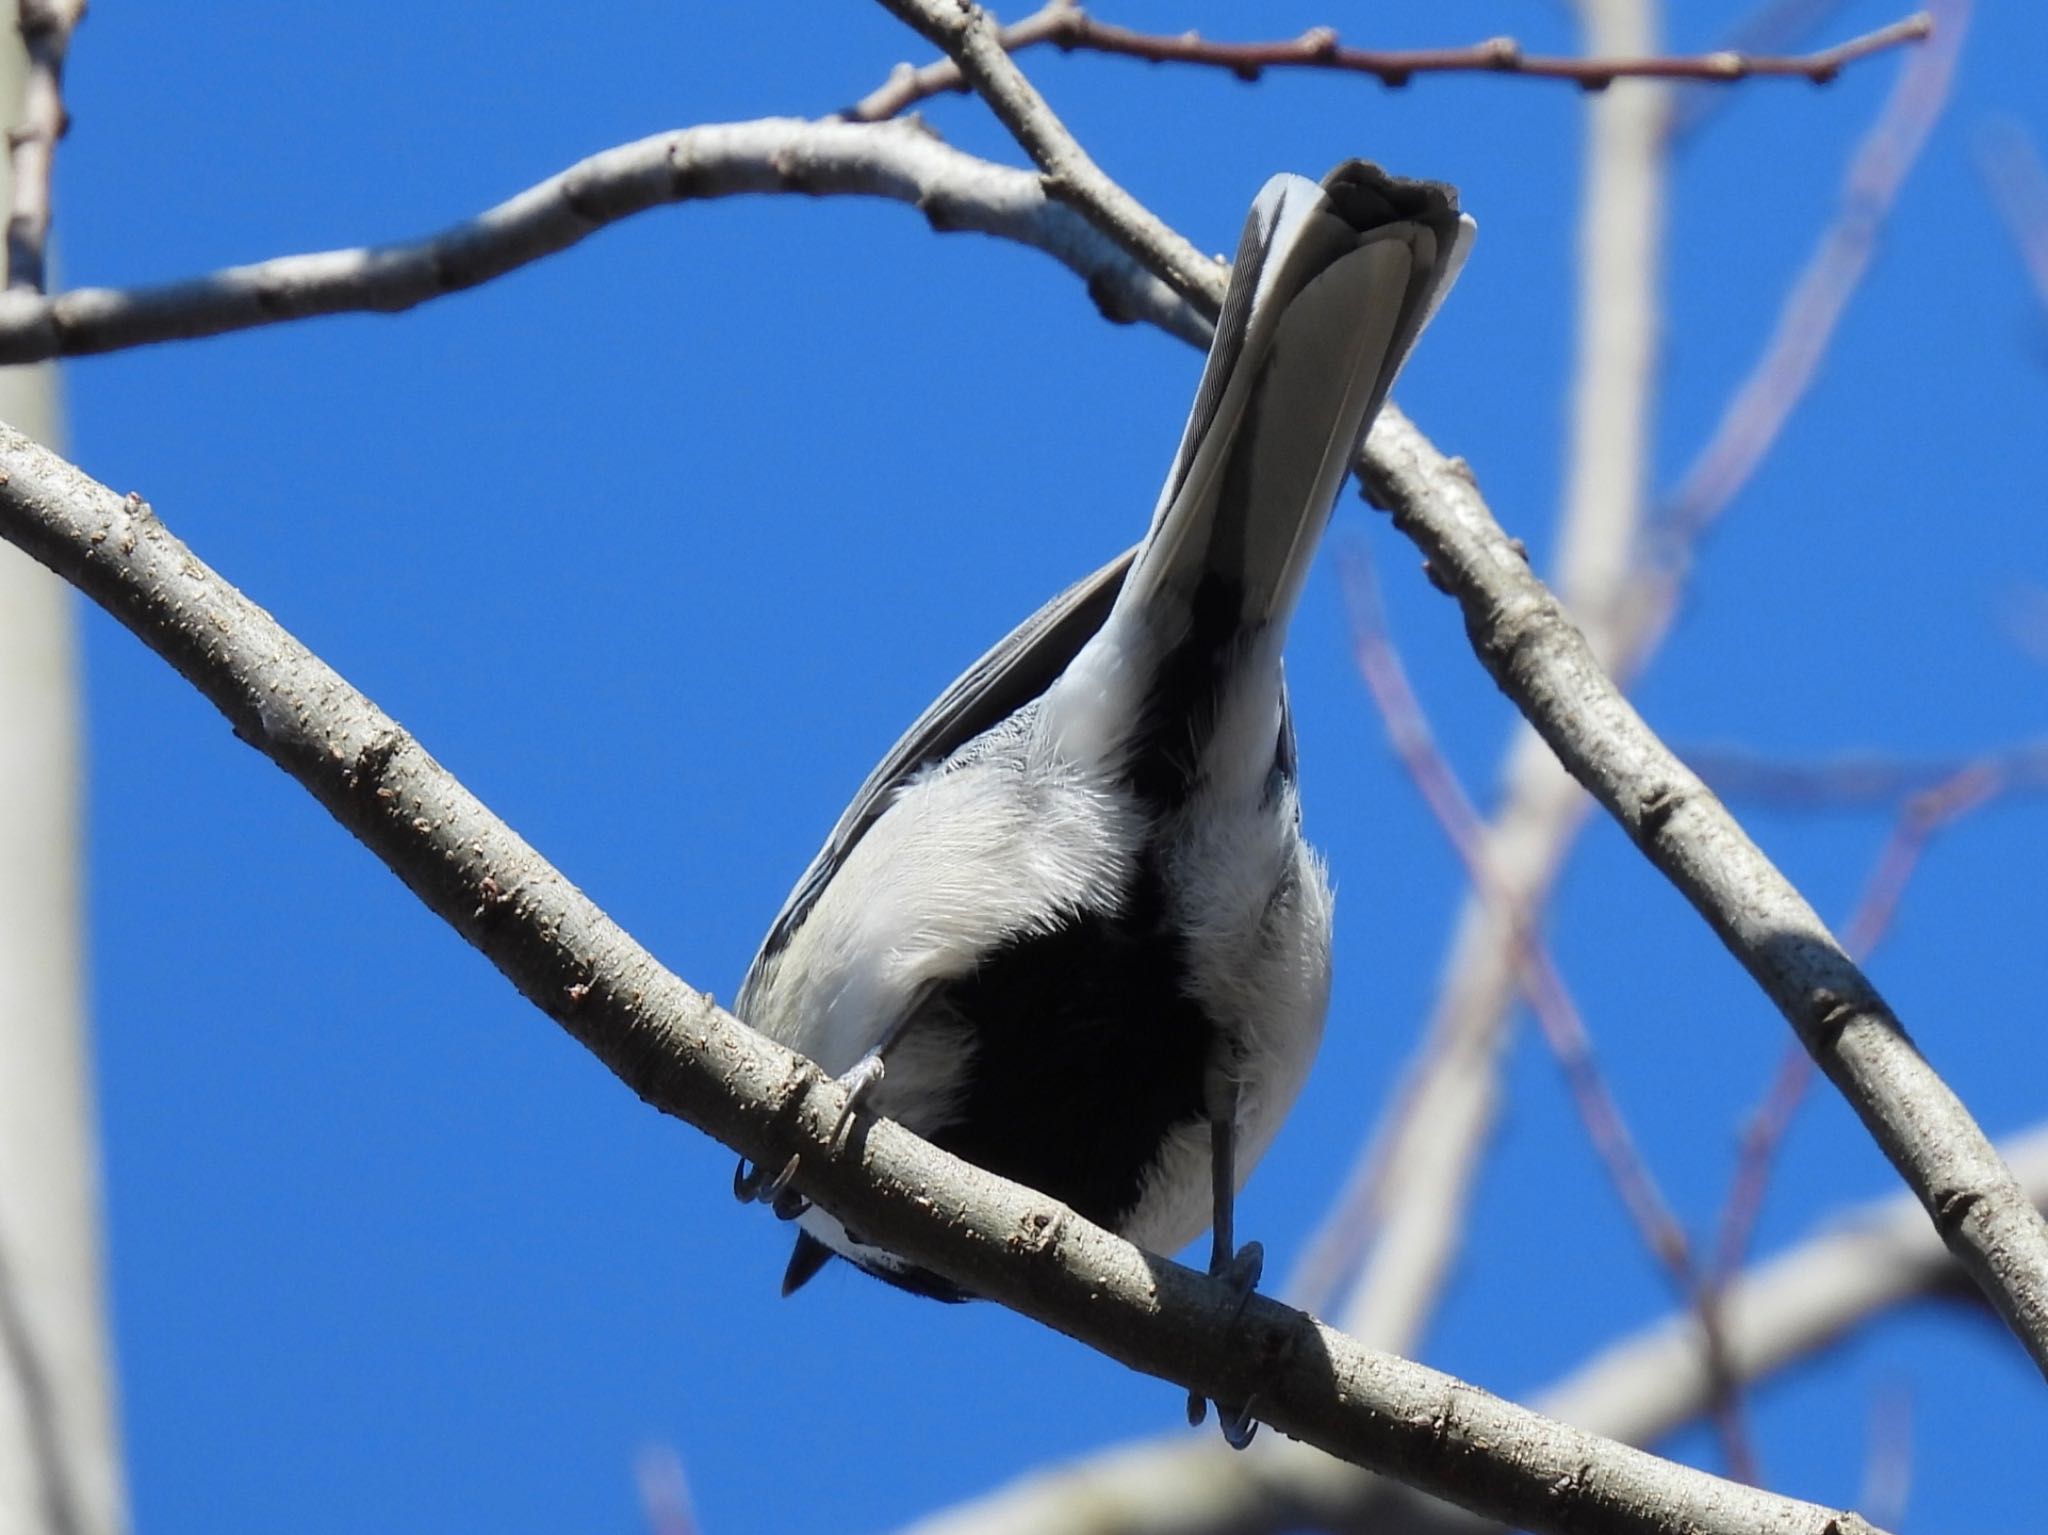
(59, 1463)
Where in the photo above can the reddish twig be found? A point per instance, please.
(1775, 26)
(1558, 1017)
(1888, 1473)
(1923, 817)
(2019, 186)
(46, 27)
(1071, 29)
(1860, 781)
(664, 1492)
(1815, 305)
(1806, 325)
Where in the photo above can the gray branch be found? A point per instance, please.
(1542, 662)
(901, 162)
(1864, 1265)
(676, 1049)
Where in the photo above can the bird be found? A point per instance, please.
(1069, 929)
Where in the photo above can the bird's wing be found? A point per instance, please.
(1021, 666)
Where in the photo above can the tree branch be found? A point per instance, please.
(2012, 168)
(1066, 26)
(1543, 664)
(1924, 816)
(46, 27)
(897, 161)
(679, 1052)
(1862, 1265)
(1758, 410)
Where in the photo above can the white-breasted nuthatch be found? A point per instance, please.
(1069, 929)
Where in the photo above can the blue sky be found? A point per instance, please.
(658, 544)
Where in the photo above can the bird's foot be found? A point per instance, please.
(761, 1185)
(756, 1185)
(1241, 1272)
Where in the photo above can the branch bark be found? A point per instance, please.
(1544, 665)
(685, 1056)
(901, 162)
(1864, 1264)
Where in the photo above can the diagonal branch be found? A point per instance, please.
(679, 1052)
(1922, 818)
(1541, 661)
(1757, 412)
(2012, 168)
(1065, 25)
(1859, 1267)
(896, 161)
(1542, 984)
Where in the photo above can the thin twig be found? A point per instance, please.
(665, 1492)
(1888, 1467)
(681, 1053)
(1862, 780)
(1542, 985)
(1775, 26)
(46, 28)
(1557, 1015)
(1072, 30)
(1756, 414)
(2012, 167)
(898, 162)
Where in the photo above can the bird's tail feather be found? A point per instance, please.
(1332, 286)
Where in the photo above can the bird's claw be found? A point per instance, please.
(755, 1185)
(1241, 1272)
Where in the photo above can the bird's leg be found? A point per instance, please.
(753, 1184)
(1239, 1267)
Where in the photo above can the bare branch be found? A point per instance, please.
(1542, 662)
(1775, 26)
(1071, 29)
(1406, 1195)
(1542, 985)
(1557, 1015)
(665, 1492)
(1888, 1467)
(1404, 1205)
(46, 27)
(1860, 780)
(896, 161)
(1619, 321)
(967, 35)
(1861, 1267)
(2019, 186)
(681, 1053)
(1759, 409)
